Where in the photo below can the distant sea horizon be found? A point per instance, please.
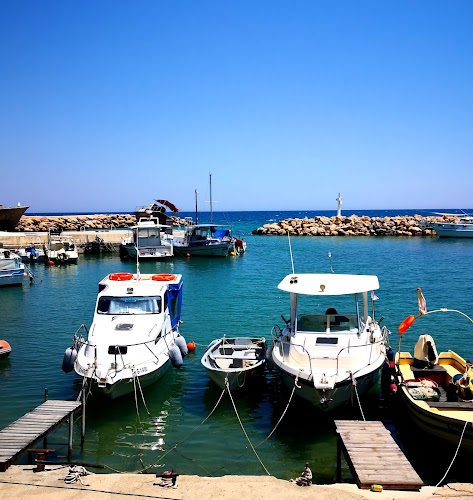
(282, 214)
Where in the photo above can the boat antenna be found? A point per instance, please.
(196, 212)
(330, 260)
(290, 252)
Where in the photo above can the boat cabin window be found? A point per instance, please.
(320, 322)
(129, 305)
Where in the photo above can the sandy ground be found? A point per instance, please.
(22, 483)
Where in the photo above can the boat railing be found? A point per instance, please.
(301, 356)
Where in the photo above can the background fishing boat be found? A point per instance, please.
(10, 216)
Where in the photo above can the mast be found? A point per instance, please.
(196, 212)
(210, 181)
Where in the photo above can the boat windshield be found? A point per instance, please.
(129, 305)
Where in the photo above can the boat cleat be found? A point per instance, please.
(324, 382)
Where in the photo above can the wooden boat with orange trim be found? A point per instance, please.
(435, 389)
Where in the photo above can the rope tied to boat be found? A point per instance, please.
(454, 456)
(354, 382)
(243, 429)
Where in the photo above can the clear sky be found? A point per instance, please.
(106, 105)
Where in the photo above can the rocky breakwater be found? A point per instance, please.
(354, 225)
(59, 223)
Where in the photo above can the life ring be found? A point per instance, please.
(163, 277)
(406, 323)
(120, 276)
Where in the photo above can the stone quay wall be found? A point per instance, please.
(354, 225)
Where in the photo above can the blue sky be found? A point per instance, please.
(106, 105)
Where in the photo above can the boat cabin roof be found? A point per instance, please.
(328, 284)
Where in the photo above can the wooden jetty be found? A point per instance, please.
(17, 437)
(374, 457)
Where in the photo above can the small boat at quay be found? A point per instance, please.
(436, 389)
(61, 250)
(147, 242)
(5, 349)
(33, 252)
(205, 240)
(12, 269)
(234, 362)
(10, 216)
(329, 357)
(134, 337)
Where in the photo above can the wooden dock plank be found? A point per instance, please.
(34, 425)
(374, 457)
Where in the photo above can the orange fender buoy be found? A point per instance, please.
(163, 277)
(120, 276)
(5, 349)
(50, 263)
(406, 323)
(191, 346)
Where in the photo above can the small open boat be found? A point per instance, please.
(235, 361)
(436, 389)
(5, 349)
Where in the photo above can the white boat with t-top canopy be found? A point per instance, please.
(330, 356)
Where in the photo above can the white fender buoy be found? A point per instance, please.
(175, 356)
(70, 356)
(181, 343)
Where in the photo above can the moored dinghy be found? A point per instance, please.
(235, 361)
(330, 357)
(134, 337)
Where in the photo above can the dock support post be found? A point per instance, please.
(45, 439)
(71, 430)
(339, 459)
(82, 434)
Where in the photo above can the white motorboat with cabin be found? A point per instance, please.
(330, 357)
(233, 362)
(134, 337)
(147, 242)
(454, 226)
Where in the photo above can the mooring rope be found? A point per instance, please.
(454, 456)
(357, 396)
(243, 429)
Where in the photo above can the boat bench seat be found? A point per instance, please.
(236, 355)
(452, 405)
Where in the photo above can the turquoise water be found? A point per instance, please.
(233, 296)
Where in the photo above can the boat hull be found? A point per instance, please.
(12, 277)
(128, 385)
(439, 426)
(445, 230)
(9, 217)
(154, 253)
(217, 250)
(342, 394)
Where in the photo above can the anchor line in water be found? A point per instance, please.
(243, 428)
(277, 423)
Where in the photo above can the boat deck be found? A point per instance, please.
(374, 457)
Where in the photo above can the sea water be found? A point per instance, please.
(182, 422)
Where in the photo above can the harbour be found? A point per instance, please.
(223, 296)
